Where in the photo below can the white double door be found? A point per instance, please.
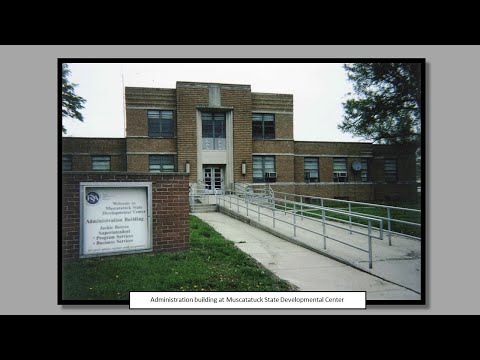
(213, 179)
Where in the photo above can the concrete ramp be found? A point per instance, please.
(305, 268)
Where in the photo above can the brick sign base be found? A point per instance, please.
(170, 209)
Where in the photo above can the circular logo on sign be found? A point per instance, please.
(92, 197)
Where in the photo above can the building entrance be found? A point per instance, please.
(213, 177)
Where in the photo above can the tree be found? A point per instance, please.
(387, 105)
(71, 103)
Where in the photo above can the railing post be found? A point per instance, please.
(321, 202)
(324, 230)
(274, 217)
(389, 228)
(350, 216)
(369, 244)
(301, 207)
(294, 220)
(380, 224)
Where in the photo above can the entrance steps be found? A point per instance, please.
(203, 208)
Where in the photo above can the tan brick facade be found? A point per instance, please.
(189, 99)
(152, 145)
(272, 146)
(81, 151)
(241, 102)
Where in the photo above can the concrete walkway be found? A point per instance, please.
(306, 269)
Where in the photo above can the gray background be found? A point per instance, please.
(28, 113)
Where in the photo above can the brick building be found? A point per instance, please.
(224, 134)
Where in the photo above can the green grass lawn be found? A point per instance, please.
(211, 264)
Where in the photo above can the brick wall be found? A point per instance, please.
(333, 148)
(279, 104)
(170, 209)
(284, 126)
(137, 163)
(241, 101)
(188, 97)
(151, 145)
(273, 146)
(272, 102)
(406, 160)
(147, 97)
(79, 145)
(285, 168)
(82, 149)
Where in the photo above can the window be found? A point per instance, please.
(162, 163)
(364, 170)
(263, 126)
(311, 169)
(340, 173)
(160, 123)
(67, 162)
(264, 169)
(214, 131)
(390, 170)
(101, 163)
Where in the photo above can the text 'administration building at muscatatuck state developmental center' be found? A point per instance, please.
(224, 134)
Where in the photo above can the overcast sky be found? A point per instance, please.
(318, 92)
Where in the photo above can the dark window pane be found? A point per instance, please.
(390, 170)
(340, 173)
(364, 171)
(269, 129)
(219, 127)
(167, 128)
(257, 130)
(101, 163)
(161, 123)
(262, 165)
(207, 128)
(162, 163)
(153, 127)
(67, 163)
(311, 169)
(263, 126)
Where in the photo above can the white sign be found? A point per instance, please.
(115, 218)
(249, 300)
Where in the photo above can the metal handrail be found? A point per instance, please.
(388, 218)
(273, 207)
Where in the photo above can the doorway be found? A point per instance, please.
(213, 177)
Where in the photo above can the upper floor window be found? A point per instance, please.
(160, 123)
(67, 162)
(340, 173)
(101, 163)
(264, 169)
(364, 170)
(162, 163)
(214, 131)
(390, 170)
(311, 169)
(263, 126)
